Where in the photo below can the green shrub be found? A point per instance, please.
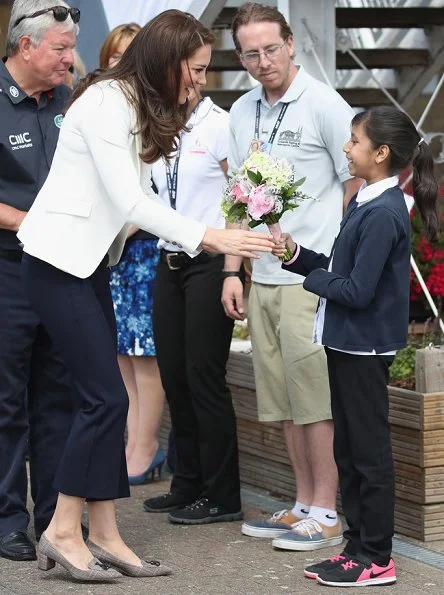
(241, 330)
(402, 371)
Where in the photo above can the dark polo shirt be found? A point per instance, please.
(28, 139)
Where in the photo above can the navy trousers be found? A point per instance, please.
(78, 315)
(35, 408)
(192, 336)
(363, 451)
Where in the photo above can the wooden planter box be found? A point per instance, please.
(418, 450)
(417, 421)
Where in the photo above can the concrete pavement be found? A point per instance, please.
(211, 560)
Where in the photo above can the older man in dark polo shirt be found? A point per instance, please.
(35, 401)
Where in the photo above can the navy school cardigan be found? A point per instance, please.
(367, 289)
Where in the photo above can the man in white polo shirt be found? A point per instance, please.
(291, 115)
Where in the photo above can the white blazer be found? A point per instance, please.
(96, 186)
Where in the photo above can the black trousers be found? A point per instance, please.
(192, 337)
(78, 315)
(363, 451)
(35, 407)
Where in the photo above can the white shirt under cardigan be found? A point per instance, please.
(366, 193)
(200, 178)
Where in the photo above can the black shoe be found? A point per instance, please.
(166, 502)
(85, 533)
(17, 546)
(202, 512)
(314, 570)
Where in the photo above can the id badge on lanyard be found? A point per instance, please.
(258, 145)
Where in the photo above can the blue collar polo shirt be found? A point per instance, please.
(28, 137)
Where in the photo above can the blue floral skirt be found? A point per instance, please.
(132, 282)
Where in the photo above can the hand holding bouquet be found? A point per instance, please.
(262, 190)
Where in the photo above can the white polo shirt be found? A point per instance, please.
(199, 178)
(312, 133)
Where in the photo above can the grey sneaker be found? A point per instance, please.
(281, 522)
(309, 534)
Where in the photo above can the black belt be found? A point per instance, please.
(15, 255)
(181, 260)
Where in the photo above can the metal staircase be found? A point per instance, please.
(402, 46)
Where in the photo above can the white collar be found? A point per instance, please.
(200, 111)
(369, 192)
(296, 88)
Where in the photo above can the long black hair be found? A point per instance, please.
(393, 128)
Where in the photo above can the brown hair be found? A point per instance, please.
(150, 76)
(111, 43)
(252, 12)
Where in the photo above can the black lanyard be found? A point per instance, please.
(277, 124)
(171, 178)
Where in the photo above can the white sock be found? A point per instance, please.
(327, 517)
(300, 510)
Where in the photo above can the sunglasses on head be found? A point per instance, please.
(60, 14)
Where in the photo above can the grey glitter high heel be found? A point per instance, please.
(48, 555)
(148, 568)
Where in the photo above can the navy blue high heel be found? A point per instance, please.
(156, 465)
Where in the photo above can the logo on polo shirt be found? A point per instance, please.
(288, 138)
(58, 120)
(14, 91)
(197, 148)
(20, 141)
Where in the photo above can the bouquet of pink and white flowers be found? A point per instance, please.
(262, 190)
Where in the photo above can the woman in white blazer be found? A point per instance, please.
(124, 120)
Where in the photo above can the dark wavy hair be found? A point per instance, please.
(389, 126)
(150, 75)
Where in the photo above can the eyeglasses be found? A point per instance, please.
(60, 14)
(271, 53)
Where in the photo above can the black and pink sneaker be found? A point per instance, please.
(354, 573)
(313, 570)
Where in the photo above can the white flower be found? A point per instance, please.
(278, 205)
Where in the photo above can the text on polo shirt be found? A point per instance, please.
(20, 141)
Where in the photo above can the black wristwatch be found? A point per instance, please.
(226, 274)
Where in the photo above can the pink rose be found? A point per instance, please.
(260, 202)
(240, 191)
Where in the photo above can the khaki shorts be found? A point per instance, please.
(290, 372)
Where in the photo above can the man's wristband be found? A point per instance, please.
(226, 274)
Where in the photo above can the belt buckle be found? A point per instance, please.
(171, 266)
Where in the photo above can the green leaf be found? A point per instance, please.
(289, 206)
(299, 182)
(254, 223)
(237, 210)
(256, 178)
(290, 191)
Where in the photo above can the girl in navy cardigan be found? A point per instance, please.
(362, 319)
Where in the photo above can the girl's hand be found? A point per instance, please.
(285, 242)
